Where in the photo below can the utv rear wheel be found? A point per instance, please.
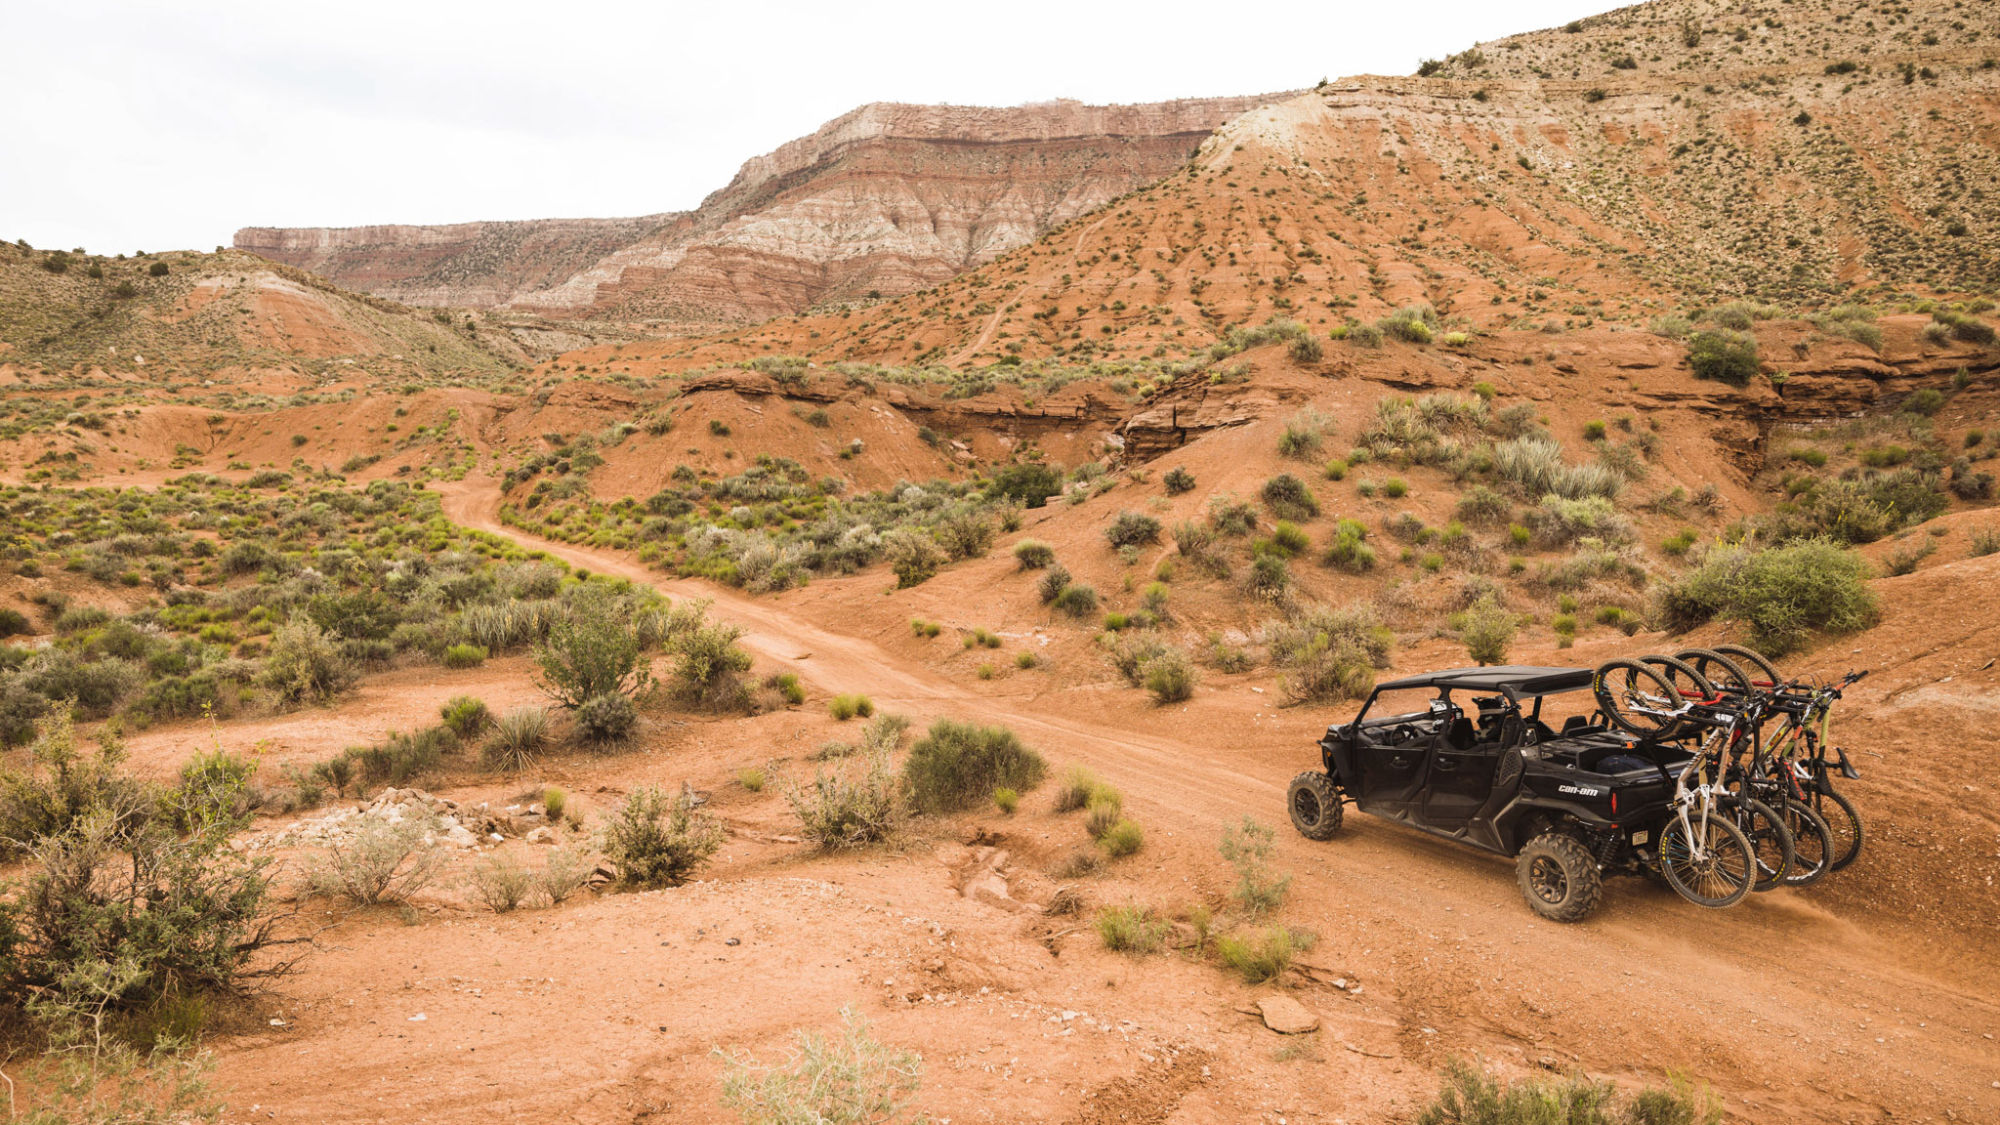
(1559, 877)
(1314, 805)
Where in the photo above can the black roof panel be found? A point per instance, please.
(1512, 679)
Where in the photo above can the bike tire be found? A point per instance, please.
(1721, 880)
(1622, 684)
(1681, 676)
(1717, 669)
(1771, 842)
(1812, 843)
(1843, 823)
(1752, 661)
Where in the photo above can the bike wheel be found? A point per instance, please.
(1843, 825)
(1724, 870)
(1636, 698)
(1681, 676)
(1717, 669)
(1753, 662)
(1812, 843)
(1770, 841)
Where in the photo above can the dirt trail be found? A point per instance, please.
(1777, 1001)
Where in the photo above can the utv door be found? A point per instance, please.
(1392, 750)
(1460, 779)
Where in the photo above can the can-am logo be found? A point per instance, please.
(1579, 790)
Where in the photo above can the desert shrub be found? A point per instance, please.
(847, 706)
(564, 872)
(1970, 329)
(956, 765)
(708, 664)
(1270, 579)
(849, 1081)
(1558, 522)
(1301, 438)
(1906, 559)
(1535, 466)
(1725, 355)
(964, 534)
(1782, 593)
(1289, 498)
(517, 737)
(840, 811)
(1347, 551)
(1489, 628)
(913, 556)
(606, 719)
(1033, 554)
(1122, 839)
(1925, 401)
(1289, 539)
(1075, 790)
(1471, 1096)
(1131, 929)
(1053, 583)
(121, 912)
(1031, 484)
(501, 882)
(63, 785)
(1105, 810)
(1229, 516)
(593, 649)
(1414, 324)
(1259, 956)
(381, 861)
(13, 623)
(1132, 529)
(1170, 676)
(1306, 349)
(554, 801)
(1006, 800)
(1248, 848)
(465, 717)
(1481, 505)
(402, 756)
(1077, 599)
(1178, 480)
(787, 687)
(304, 665)
(464, 656)
(1328, 653)
(655, 840)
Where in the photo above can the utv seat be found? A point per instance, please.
(1579, 724)
(1461, 736)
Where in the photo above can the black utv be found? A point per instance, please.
(1488, 757)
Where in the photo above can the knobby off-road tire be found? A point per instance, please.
(1717, 669)
(1619, 684)
(1770, 841)
(1753, 662)
(1842, 822)
(1812, 843)
(1681, 676)
(1724, 877)
(1559, 878)
(1314, 805)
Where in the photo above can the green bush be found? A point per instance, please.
(1725, 355)
(1290, 540)
(839, 811)
(464, 656)
(593, 649)
(654, 840)
(1482, 505)
(1132, 529)
(1470, 1096)
(708, 665)
(788, 687)
(1289, 498)
(466, 717)
(1248, 849)
(1178, 480)
(1170, 676)
(606, 719)
(1924, 401)
(304, 664)
(518, 736)
(1259, 956)
(1053, 582)
(1031, 484)
(845, 707)
(1328, 654)
(913, 556)
(1489, 629)
(1131, 929)
(1078, 600)
(1415, 324)
(1782, 593)
(1033, 554)
(957, 765)
(13, 623)
(1075, 790)
(1122, 839)
(849, 1081)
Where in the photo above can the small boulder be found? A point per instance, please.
(542, 835)
(1287, 1016)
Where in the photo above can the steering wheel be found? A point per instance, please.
(1404, 732)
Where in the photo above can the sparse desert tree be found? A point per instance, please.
(593, 649)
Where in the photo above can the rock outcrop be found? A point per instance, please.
(882, 201)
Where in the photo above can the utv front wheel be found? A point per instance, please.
(1314, 805)
(1559, 878)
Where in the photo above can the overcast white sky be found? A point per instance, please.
(130, 126)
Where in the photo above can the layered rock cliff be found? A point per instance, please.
(884, 200)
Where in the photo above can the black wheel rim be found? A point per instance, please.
(1548, 880)
(1305, 806)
